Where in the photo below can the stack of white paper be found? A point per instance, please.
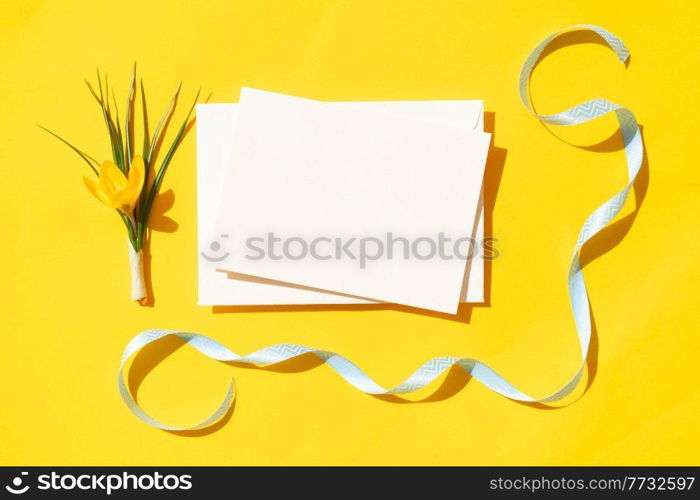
(308, 202)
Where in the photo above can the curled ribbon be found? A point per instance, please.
(429, 371)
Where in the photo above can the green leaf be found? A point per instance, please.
(88, 159)
(92, 91)
(145, 201)
(120, 138)
(186, 125)
(146, 133)
(130, 230)
(163, 123)
(108, 122)
(129, 120)
(146, 162)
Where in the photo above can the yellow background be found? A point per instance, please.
(65, 311)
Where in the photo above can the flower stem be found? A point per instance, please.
(140, 229)
(130, 228)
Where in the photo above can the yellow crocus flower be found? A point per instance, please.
(116, 190)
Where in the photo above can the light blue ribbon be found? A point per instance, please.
(432, 369)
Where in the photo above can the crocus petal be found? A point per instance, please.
(134, 181)
(112, 180)
(97, 192)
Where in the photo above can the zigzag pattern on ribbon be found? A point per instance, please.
(435, 367)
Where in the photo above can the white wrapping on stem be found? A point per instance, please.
(138, 286)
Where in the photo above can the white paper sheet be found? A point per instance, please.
(344, 172)
(215, 124)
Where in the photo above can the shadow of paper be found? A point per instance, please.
(492, 181)
(492, 178)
